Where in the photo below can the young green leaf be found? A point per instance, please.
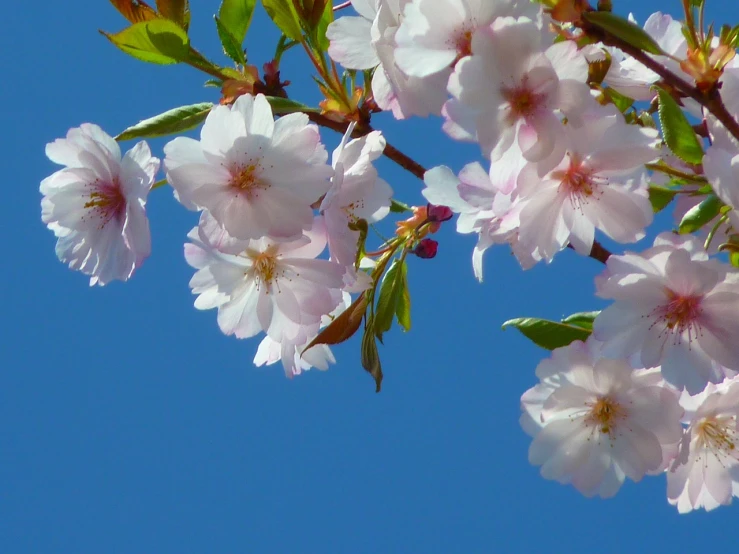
(167, 123)
(403, 309)
(283, 13)
(231, 47)
(235, 16)
(677, 131)
(624, 29)
(548, 334)
(175, 10)
(326, 18)
(582, 319)
(159, 41)
(660, 197)
(371, 357)
(699, 215)
(282, 106)
(388, 298)
(398, 207)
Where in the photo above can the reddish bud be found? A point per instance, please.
(426, 248)
(438, 214)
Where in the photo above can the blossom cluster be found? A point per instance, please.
(654, 389)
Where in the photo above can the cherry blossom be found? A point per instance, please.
(290, 353)
(705, 473)
(599, 182)
(513, 88)
(596, 421)
(356, 193)
(435, 34)
(255, 175)
(672, 307)
(632, 78)
(261, 284)
(96, 205)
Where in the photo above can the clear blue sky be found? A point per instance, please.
(130, 424)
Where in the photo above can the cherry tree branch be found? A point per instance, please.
(710, 99)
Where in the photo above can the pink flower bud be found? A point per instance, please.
(439, 213)
(426, 248)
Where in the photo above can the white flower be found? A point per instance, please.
(435, 34)
(486, 204)
(513, 88)
(599, 182)
(290, 353)
(596, 421)
(356, 193)
(96, 205)
(673, 307)
(263, 285)
(705, 473)
(255, 175)
(632, 78)
(368, 41)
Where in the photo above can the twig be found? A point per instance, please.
(710, 99)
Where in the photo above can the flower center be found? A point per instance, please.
(577, 181)
(246, 178)
(463, 44)
(523, 101)
(718, 435)
(681, 313)
(604, 413)
(265, 265)
(107, 202)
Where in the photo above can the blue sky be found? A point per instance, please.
(129, 423)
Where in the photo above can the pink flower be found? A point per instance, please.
(356, 193)
(705, 473)
(672, 307)
(596, 421)
(255, 175)
(514, 87)
(96, 204)
(263, 285)
(598, 182)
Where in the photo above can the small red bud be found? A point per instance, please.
(439, 213)
(426, 248)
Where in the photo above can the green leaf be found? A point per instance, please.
(700, 215)
(175, 10)
(231, 47)
(326, 18)
(548, 334)
(362, 227)
(371, 357)
(621, 101)
(283, 13)
(389, 296)
(660, 197)
(734, 259)
(282, 106)
(403, 309)
(170, 122)
(397, 207)
(235, 16)
(677, 131)
(582, 319)
(159, 41)
(624, 29)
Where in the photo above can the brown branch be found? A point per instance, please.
(598, 252)
(710, 99)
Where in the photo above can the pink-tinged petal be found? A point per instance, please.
(350, 43)
(238, 315)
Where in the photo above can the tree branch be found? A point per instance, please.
(710, 99)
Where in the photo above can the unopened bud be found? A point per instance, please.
(438, 214)
(426, 249)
